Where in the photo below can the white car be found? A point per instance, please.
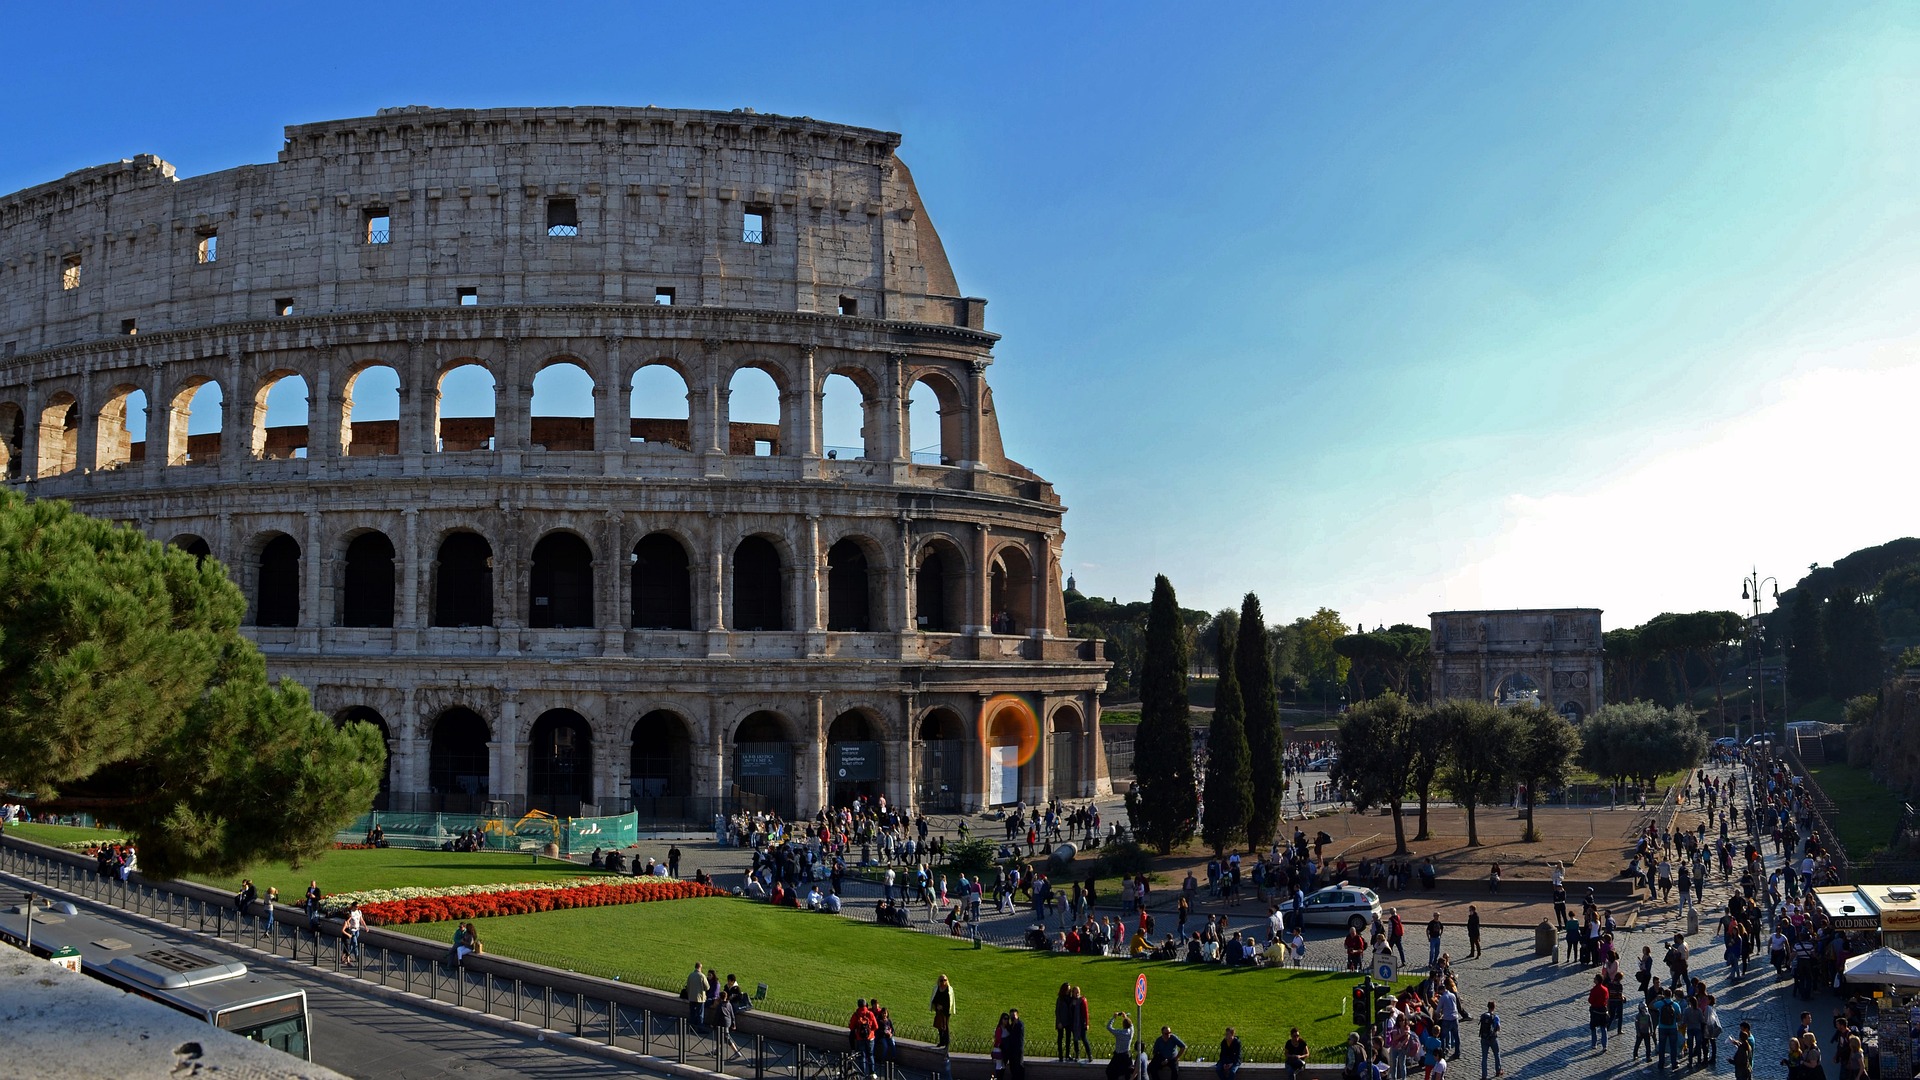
(1342, 905)
(1322, 764)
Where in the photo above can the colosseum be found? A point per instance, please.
(334, 374)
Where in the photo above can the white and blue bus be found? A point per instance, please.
(218, 991)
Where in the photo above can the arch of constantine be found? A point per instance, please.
(644, 603)
(1552, 655)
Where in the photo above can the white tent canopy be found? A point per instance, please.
(1890, 967)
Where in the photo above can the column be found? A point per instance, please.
(512, 398)
(906, 789)
(718, 642)
(408, 615)
(419, 743)
(324, 412)
(979, 588)
(611, 395)
(812, 765)
(809, 392)
(316, 609)
(86, 445)
(976, 391)
(888, 412)
(419, 405)
(983, 757)
(30, 441)
(159, 411)
(1037, 777)
(510, 764)
(615, 571)
(811, 610)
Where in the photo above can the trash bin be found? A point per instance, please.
(1544, 939)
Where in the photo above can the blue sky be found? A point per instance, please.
(1385, 308)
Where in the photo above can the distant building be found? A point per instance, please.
(1552, 655)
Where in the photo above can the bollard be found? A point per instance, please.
(1544, 939)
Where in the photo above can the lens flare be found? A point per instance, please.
(1010, 722)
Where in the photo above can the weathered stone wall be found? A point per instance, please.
(901, 598)
(1559, 650)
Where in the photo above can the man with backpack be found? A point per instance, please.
(1490, 1041)
(1666, 1029)
(861, 1029)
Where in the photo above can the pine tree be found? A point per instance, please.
(1229, 790)
(1807, 654)
(1168, 800)
(1253, 660)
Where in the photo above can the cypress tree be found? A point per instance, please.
(1167, 801)
(1253, 661)
(1229, 788)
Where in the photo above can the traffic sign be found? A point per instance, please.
(1140, 990)
(1384, 970)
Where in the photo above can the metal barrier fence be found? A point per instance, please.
(1824, 811)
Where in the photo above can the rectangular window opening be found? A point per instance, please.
(283, 306)
(763, 448)
(70, 272)
(756, 225)
(470, 297)
(849, 306)
(663, 297)
(563, 217)
(379, 225)
(129, 326)
(208, 248)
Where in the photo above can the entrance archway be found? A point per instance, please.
(763, 774)
(560, 763)
(457, 765)
(856, 759)
(561, 583)
(660, 767)
(1012, 733)
(1069, 740)
(942, 770)
(1517, 689)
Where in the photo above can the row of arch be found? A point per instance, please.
(661, 574)
(565, 767)
(752, 412)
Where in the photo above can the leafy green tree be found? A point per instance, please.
(1321, 663)
(1253, 661)
(1376, 757)
(1807, 674)
(1168, 800)
(1639, 740)
(1479, 757)
(1545, 754)
(1856, 647)
(1433, 734)
(126, 689)
(1229, 791)
(1387, 659)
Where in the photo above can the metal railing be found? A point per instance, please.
(378, 236)
(563, 230)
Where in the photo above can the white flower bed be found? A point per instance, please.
(337, 902)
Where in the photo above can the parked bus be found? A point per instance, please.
(219, 991)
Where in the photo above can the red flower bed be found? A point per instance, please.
(352, 847)
(527, 901)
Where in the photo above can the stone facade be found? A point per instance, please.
(673, 612)
(1553, 654)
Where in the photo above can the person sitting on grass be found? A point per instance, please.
(1138, 946)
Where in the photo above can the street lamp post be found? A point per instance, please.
(1750, 589)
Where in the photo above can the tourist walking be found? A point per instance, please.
(1473, 932)
(1490, 1041)
(942, 1006)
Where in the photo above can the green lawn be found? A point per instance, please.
(56, 835)
(816, 965)
(389, 868)
(1866, 810)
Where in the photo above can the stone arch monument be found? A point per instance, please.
(1553, 655)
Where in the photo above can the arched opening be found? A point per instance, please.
(753, 414)
(366, 586)
(936, 421)
(1011, 736)
(1572, 712)
(940, 589)
(277, 595)
(846, 412)
(849, 590)
(457, 762)
(658, 410)
(194, 436)
(759, 596)
(856, 759)
(463, 581)
(560, 583)
(944, 751)
(121, 436)
(280, 412)
(662, 584)
(371, 405)
(763, 748)
(13, 435)
(464, 408)
(562, 407)
(1517, 689)
(193, 545)
(560, 763)
(1067, 757)
(59, 435)
(660, 768)
(1010, 596)
(369, 716)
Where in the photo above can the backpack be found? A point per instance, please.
(1489, 1027)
